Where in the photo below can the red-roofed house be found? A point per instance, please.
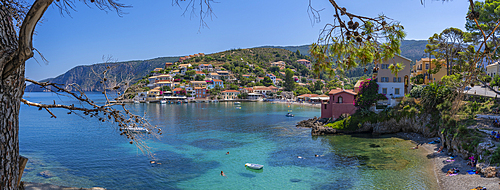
(168, 64)
(200, 73)
(305, 62)
(208, 67)
(230, 94)
(157, 69)
(341, 102)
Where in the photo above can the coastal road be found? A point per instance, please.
(481, 90)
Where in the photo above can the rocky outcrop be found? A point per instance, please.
(313, 122)
(417, 124)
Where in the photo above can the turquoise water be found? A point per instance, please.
(82, 152)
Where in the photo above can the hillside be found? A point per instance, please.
(234, 60)
(86, 77)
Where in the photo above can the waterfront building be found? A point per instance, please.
(230, 94)
(341, 102)
(201, 93)
(389, 84)
(306, 97)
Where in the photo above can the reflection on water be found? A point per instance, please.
(191, 153)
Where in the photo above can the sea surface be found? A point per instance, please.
(82, 152)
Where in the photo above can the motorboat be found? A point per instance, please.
(136, 102)
(237, 103)
(254, 166)
(163, 101)
(289, 115)
(137, 129)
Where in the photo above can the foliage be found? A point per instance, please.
(267, 81)
(396, 68)
(289, 81)
(454, 81)
(487, 17)
(495, 81)
(437, 97)
(416, 91)
(368, 94)
(318, 86)
(274, 69)
(450, 46)
(165, 88)
(419, 79)
(302, 90)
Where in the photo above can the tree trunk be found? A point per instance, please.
(14, 51)
(11, 92)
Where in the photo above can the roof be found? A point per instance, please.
(175, 71)
(152, 77)
(197, 88)
(164, 75)
(214, 74)
(163, 82)
(272, 87)
(177, 89)
(303, 60)
(200, 73)
(262, 88)
(198, 81)
(338, 90)
(168, 63)
(217, 80)
(308, 95)
(230, 91)
(222, 71)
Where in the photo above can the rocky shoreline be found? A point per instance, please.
(416, 130)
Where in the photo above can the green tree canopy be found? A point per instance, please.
(267, 81)
(289, 80)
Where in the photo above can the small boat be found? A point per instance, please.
(147, 102)
(254, 166)
(238, 108)
(136, 102)
(237, 103)
(163, 101)
(289, 115)
(137, 129)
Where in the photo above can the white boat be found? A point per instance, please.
(254, 166)
(136, 102)
(237, 103)
(147, 102)
(137, 129)
(163, 101)
(289, 115)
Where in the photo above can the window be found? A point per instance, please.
(396, 91)
(427, 66)
(325, 106)
(341, 99)
(399, 79)
(384, 90)
(394, 79)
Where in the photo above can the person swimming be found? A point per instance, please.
(222, 173)
(227, 153)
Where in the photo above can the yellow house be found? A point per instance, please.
(154, 93)
(424, 65)
(389, 84)
(493, 69)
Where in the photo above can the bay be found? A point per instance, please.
(82, 152)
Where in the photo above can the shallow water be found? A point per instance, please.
(192, 151)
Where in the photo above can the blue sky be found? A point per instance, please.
(153, 29)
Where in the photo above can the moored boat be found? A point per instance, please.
(289, 115)
(254, 166)
(137, 129)
(237, 103)
(163, 101)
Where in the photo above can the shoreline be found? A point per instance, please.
(296, 103)
(440, 166)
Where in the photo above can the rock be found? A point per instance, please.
(46, 174)
(490, 172)
(310, 123)
(321, 130)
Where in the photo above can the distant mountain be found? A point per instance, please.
(412, 49)
(88, 76)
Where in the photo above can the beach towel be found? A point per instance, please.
(450, 160)
(471, 172)
(453, 174)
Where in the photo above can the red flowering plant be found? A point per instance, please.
(368, 94)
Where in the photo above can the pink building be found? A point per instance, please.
(341, 102)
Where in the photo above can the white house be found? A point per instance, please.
(273, 78)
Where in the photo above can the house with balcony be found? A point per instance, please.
(423, 66)
(223, 74)
(200, 92)
(341, 102)
(230, 94)
(153, 94)
(280, 64)
(207, 67)
(389, 84)
(219, 83)
(214, 76)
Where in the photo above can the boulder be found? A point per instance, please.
(490, 172)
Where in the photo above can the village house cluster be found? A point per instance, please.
(169, 87)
